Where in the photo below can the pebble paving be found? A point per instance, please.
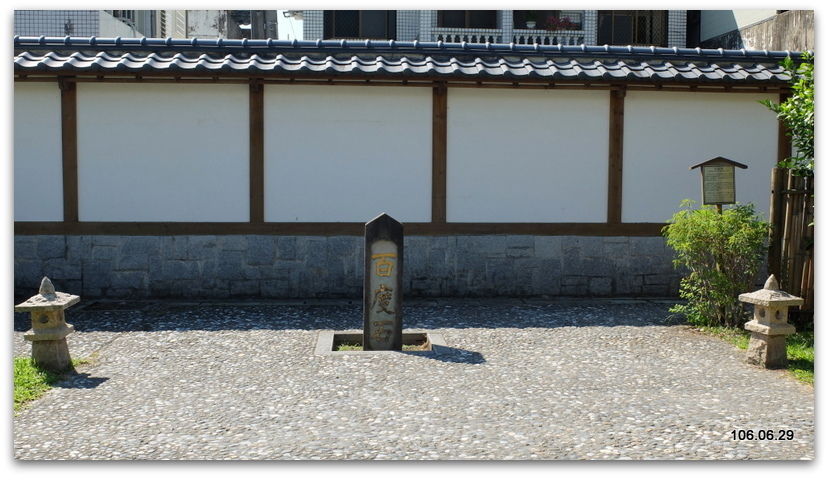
(518, 380)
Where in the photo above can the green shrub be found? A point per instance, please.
(723, 254)
(797, 113)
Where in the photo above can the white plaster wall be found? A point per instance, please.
(38, 153)
(527, 156)
(347, 154)
(163, 152)
(666, 133)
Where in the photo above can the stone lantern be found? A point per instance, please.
(49, 327)
(769, 325)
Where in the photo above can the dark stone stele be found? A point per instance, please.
(383, 286)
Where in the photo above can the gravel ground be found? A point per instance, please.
(518, 380)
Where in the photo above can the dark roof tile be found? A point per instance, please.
(398, 59)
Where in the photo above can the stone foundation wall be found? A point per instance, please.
(293, 267)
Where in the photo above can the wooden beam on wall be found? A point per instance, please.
(439, 140)
(256, 152)
(616, 156)
(69, 134)
(331, 229)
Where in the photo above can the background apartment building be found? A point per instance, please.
(729, 29)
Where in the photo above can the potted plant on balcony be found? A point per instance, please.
(555, 24)
(531, 19)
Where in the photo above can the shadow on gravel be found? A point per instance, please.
(454, 355)
(146, 316)
(80, 380)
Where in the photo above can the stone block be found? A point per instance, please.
(574, 285)
(59, 269)
(129, 262)
(179, 270)
(548, 247)
(345, 247)
(647, 246)
(275, 288)
(656, 279)
(129, 280)
(469, 261)
(500, 272)
(231, 243)
(600, 286)
(313, 251)
(415, 263)
(97, 274)
(286, 247)
(244, 288)
(520, 252)
(615, 248)
(104, 252)
(121, 294)
(596, 267)
(416, 244)
(625, 283)
(261, 250)
(202, 247)
(149, 245)
(586, 246)
(489, 246)
(525, 244)
(174, 248)
(655, 290)
(571, 262)
(471, 279)
(51, 247)
(639, 265)
(229, 265)
(570, 281)
(312, 282)
(27, 275)
(440, 263)
(25, 248)
(77, 249)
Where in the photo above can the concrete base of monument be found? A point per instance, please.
(421, 343)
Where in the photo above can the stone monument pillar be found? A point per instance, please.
(382, 294)
(770, 325)
(49, 327)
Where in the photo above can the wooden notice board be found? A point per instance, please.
(719, 180)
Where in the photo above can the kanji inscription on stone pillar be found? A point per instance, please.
(382, 296)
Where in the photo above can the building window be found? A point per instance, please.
(467, 19)
(549, 20)
(361, 24)
(126, 16)
(632, 27)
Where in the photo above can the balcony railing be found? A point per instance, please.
(543, 37)
(519, 37)
(470, 35)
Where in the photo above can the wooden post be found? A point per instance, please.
(383, 287)
(256, 151)
(439, 138)
(616, 156)
(69, 132)
(777, 221)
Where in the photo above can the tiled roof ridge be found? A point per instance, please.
(391, 46)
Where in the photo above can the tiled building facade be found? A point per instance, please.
(507, 27)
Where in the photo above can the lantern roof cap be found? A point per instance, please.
(771, 296)
(47, 299)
